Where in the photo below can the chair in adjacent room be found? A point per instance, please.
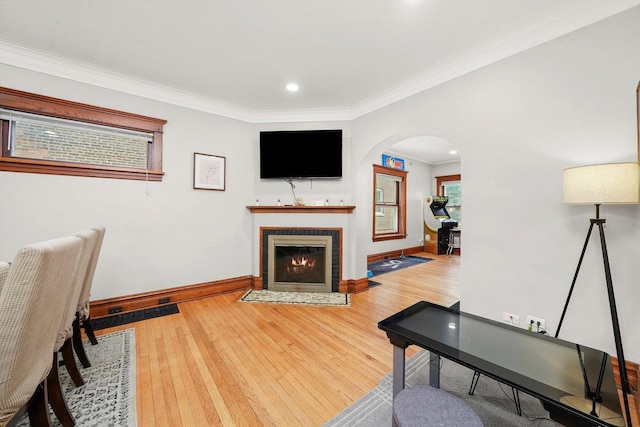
(32, 301)
(454, 240)
(83, 317)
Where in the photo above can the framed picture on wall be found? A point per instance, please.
(209, 172)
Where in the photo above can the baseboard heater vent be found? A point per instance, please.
(134, 316)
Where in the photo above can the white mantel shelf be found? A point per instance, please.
(302, 209)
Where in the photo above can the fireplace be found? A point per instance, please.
(301, 260)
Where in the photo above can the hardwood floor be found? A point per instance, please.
(222, 362)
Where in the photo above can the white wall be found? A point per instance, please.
(159, 235)
(518, 124)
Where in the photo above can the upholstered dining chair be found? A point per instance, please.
(65, 331)
(63, 343)
(32, 303)
(83, 317)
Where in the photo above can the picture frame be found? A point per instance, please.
(209, 172)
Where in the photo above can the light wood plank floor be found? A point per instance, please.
(222, 362)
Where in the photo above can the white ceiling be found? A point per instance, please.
(234, 57)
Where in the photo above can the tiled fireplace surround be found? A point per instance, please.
(334, 221)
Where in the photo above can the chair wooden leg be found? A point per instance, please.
(56, 396)
(39, 409)
(70, 363)
(88, 329)
(78, 346)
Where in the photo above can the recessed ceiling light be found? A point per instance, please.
(453, 152)
(292, 87)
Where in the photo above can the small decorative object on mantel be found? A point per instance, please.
(299, 201)
(279, 202)
(209, 172)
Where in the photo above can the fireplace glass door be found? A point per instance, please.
(299, 263)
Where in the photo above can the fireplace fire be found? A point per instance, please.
(298, 263)
(301, 264)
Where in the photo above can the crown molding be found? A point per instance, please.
(571, 19)
(296, 116)
(42, 62)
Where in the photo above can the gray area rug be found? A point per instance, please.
(492, 401)
(108, 397)
(305, 298)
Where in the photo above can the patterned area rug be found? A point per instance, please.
(491, 401)
(395, 264)
(108, 397)
(304, 298)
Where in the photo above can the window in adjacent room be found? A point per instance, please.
(451, 186)
(53, 136)
(389, 213)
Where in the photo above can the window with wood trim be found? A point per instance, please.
(451, 186)
(389, 203)
(47, 135)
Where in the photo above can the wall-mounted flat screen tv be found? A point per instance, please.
(301, 154)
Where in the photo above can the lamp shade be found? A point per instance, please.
(606, 184)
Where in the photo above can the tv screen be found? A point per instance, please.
(301, 154)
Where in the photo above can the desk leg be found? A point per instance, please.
(434, 370)
(398, 370)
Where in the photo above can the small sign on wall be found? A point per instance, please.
(392, 162)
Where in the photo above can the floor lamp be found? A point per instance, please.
(605, 184)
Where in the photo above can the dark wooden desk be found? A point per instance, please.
(563, 375)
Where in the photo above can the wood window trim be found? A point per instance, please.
(440, 180)
(54, 107)
(402, 203)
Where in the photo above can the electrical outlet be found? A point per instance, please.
(164, 300)
(535, 327)
(513, 319)
(114, 310)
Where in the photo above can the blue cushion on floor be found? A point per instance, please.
(424, 406)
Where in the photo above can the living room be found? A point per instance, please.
(518, 122)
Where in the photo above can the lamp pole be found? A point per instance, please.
(624, 382)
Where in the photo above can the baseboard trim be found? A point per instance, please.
(394, 254)
(127, 303)
(100, 308)
(354, 286)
